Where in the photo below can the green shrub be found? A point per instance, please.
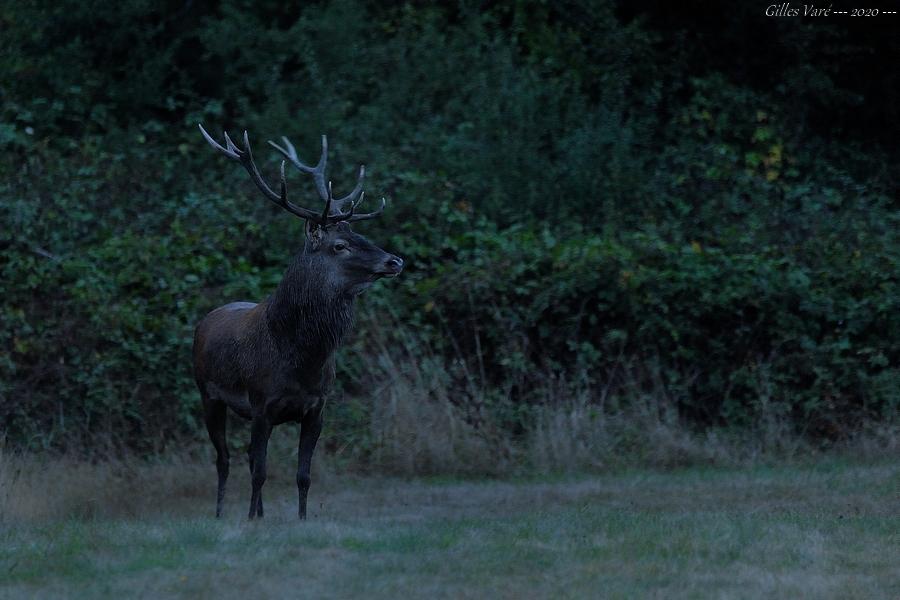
(575, 203)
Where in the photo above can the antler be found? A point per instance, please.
(354, 198)
(245, 157)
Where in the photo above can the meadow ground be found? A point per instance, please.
(824, 529)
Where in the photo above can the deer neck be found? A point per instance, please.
(306, 317)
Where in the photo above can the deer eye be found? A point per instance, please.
(340, 246)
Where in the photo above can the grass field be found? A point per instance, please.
(823, 530)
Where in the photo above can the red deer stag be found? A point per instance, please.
(273, 362)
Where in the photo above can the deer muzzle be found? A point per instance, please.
(392, 266)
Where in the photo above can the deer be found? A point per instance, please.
(273, 362)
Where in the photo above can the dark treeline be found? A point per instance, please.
(685, 199)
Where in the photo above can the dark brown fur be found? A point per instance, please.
(273, 362)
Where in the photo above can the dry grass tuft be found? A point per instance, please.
(418, 429)
(44, 487)
(431, 417)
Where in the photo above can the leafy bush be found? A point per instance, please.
(575, 202)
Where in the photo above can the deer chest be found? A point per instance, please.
(293, 404)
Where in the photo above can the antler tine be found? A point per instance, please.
(290, 148)
(290, 153)
(352, 218)
(232, 147)
(216, 144)
(353, 206)
(283, 182)
(318, 172)
(327, 210)
(355, 194)
(245, 157)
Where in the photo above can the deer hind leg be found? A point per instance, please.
(260, 430)
(214, 413)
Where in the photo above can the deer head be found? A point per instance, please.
(348, 261)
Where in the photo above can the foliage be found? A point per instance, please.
(569, 193)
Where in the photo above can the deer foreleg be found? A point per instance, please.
(310, 428)
(259, 501)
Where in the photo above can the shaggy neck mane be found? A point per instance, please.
(305, 316)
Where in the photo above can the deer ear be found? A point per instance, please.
(314, 233)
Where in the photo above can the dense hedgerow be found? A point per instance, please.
(573, 199)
